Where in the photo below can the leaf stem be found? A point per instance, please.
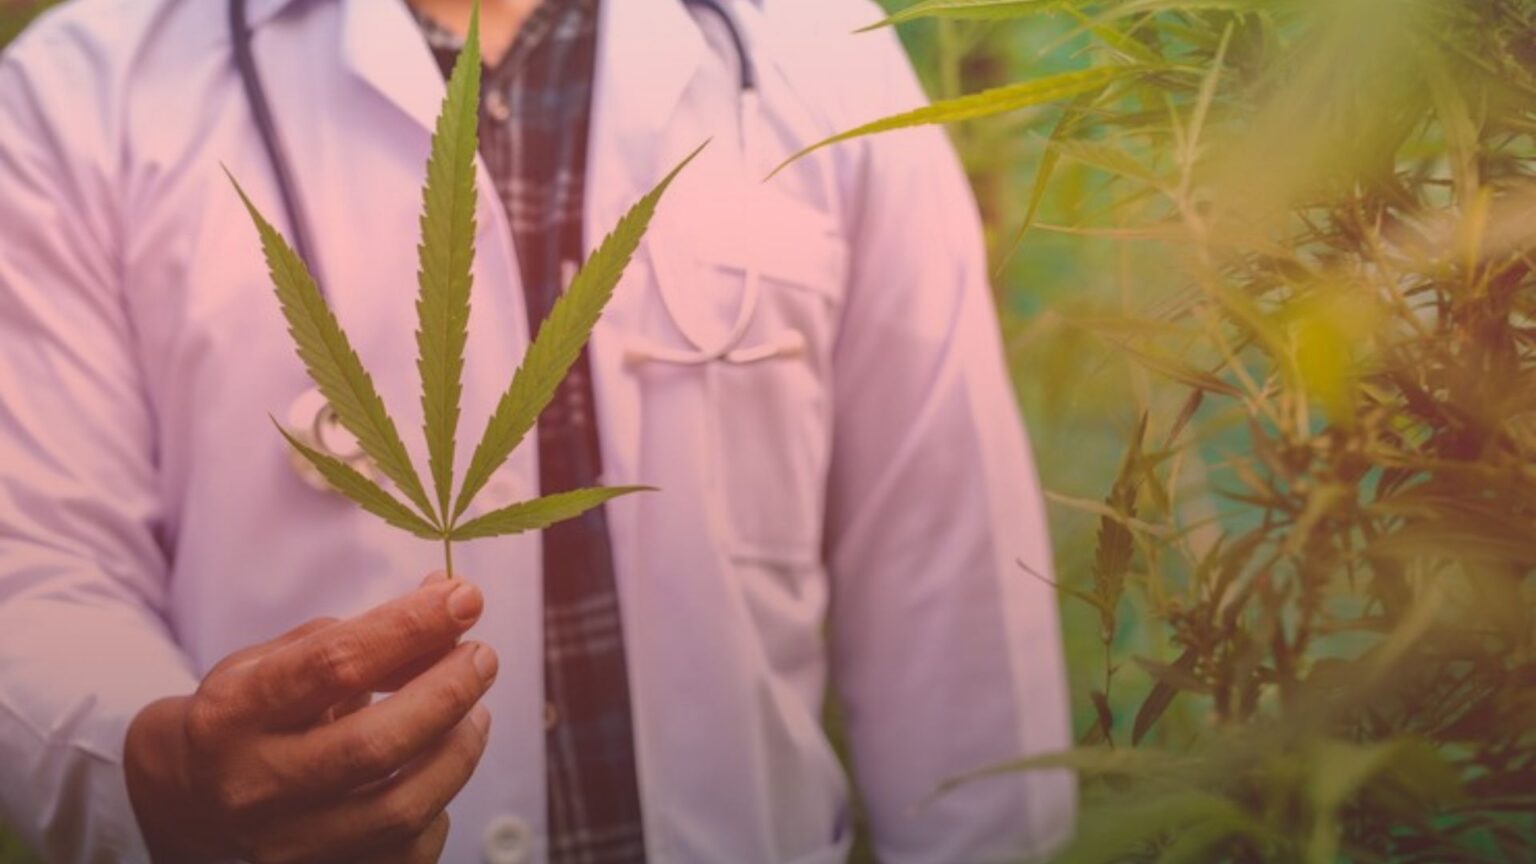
(448, 554)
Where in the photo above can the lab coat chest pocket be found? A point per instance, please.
(748, 287)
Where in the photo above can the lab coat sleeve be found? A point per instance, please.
(83, 644)
(946, 645)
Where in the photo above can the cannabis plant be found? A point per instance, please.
(1318, 213)
(447, 257)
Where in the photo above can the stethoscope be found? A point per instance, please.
(727, 347)
(311, 418)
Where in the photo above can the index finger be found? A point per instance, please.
(296, 683)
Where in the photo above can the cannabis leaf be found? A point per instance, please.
(365, 492)
(447, 252)
(447, 255)
(977, 10)
(999, 100)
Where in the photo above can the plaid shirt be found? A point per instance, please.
(535, 107)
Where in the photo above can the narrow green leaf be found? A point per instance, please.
(1460, 131)
(346, 480)
(1109, 159)
(1104, 725)
(447, 252)
(559, 342)
(1090, 762)
(1141, 823)
(1176, 369)
(1047, 168)
(1079, 594)
(973, 10)
(540, 512)
(332, 363)
(1121, 43)
(1142, 7)
(1170, 680)
(999, 100)
(1200, 843)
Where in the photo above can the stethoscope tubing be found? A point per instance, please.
(266, 129)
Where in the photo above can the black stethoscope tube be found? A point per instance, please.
(266, 128)
(748, 72)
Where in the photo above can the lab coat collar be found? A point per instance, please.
(382, 44)
(648, 52)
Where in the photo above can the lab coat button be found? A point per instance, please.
(507, 841)
(496, 106)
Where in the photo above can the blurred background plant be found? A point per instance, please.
(1267, 292)
(1282, 256)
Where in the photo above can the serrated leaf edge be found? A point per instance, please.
(332, 363)
(446, 254)
(362, 491)
(559, 342)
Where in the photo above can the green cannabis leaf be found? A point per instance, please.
(976, 10)
(447, 252)
(346, 479)
(998, 100)
(447, 255)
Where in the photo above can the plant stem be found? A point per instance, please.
(448, 555)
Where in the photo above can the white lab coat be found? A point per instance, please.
(876, 480)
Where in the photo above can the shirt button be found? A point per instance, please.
(551, 716)
(496, 106)
(507, 841)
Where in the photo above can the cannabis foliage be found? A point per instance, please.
(1318, 216)
(436, 511)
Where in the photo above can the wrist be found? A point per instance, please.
(155, 768)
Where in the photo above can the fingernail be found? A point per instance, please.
(465, 603)
(480, 718)
(485, 662)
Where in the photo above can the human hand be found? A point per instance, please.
(281, 757)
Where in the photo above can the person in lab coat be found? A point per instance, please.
(807, 368)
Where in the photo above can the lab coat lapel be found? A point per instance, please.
(382, 44)
(648, 53)
(649, 50)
